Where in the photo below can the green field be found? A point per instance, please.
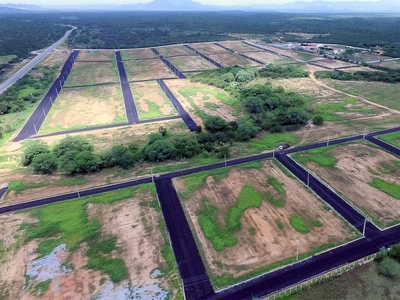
(92, 73)
(391, 138)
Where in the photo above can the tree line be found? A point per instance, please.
(386, 75)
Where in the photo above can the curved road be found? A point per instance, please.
(25, 69)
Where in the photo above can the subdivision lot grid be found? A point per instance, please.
(366, 176)
(151, 101)
(137, 54)
(78, 108)
(92, 73)
(96, 55)
(208, 48)
(239, 46)
(171, 51)
(253, 218)
(332, 63)
(150, 69)
(229, 59)
(191, 63)
(268, 57)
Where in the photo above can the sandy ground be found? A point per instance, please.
(270, 244)
(137, 54)
(92, 73)
(239, 46)
(230, 60)
(145, 92)
(96, 55)
(267, 57)
(147, 69)
(141, 247)
(82, 107)
(191, 63)
(174, 50)
(209, 48)
(353, 175)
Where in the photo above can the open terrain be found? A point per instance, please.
(151, 101)
(268, 58)
(239, 46)
(229, 59)
(209, 48)
(149, 69)
(191, 63)
(365, 175)
(84, 73)
(144, 53)
(96, 55)
(169, 51)
(85, 107)
(133, 244)
(331, 63)
(268, 236)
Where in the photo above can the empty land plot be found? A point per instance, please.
(151, 101)
(365, 175)
(332, 63)
(239, 46)
(92, 73)
(55, 59)
(394, 64)
(104, 245)
(149, 69)
(247, 220)
(200, 100)
(367, 56)
(391, 138)
(85, 107)
(208, 48)
(382, 93)
(191, 63)
(96, 55)
(231, 59)
(268, 58)
(144, 53)
(174, 51)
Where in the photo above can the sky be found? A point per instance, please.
(119, 2)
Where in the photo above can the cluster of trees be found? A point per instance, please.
(289, 71)
(389, 75)
(389, 261)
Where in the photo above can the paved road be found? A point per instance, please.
(25, 69)
(191, 268)
(35, 121)
(182, 112)
(174, 69)
(240, 54)
(130, 107)
(384, 145)
(218, 65)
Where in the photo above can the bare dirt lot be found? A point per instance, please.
(267, 57)
(191, 63)
(144, 53)
(85, 107)
(96, 55)
(174, 51)
(55, 59)
(230, 60)
(332, 63)
(209, 48)
(151, 101)
(357, 166)
(274, 239)
(149, 69)
(92, 73)
(239, 46)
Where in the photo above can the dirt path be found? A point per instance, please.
(312, 77)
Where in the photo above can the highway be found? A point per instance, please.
(191, 268)
(25, 69)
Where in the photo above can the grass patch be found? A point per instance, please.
(319, 156)
(390, 188)
(275, 202)
(41, 288)
(252, 231)
(279, 224)
(268, 142)
(391, 138)
(277, 185)
(298, 224)
(19, 186)
(71, 181)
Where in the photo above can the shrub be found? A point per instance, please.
(44, 163)
(33, 149)
(318, 120)
(160, 150)
(298, 224)
(389, 267)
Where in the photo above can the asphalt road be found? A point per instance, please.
(191, 268)
(182, 112)
(35, 121)
(130, 107)
(174, 69)
(218, 65)
(25, 69)
(384, 145)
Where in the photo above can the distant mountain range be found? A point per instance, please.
(318, 6)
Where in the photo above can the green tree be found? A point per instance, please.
(44, 163)
(72, 143)
(33, 149)
(318, 120)
(215, 124)
(389, 267)
(87, 162)
(160, 150)
(122, 156)
(163, 131)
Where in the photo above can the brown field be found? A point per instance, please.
(332, 63)
(151, 101)
(390, 64)
(92, 73)
(267, 57)
(191, 63)
(239, 46)
(209, 48)
(85, 107)
(269, 244)
(174, 51)
(230, 59)
(367, 56)
(280, 51)
(96, 55)
(139, 248)
(357, 165)
(55, 59)
(149, 69)
(144, 53)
